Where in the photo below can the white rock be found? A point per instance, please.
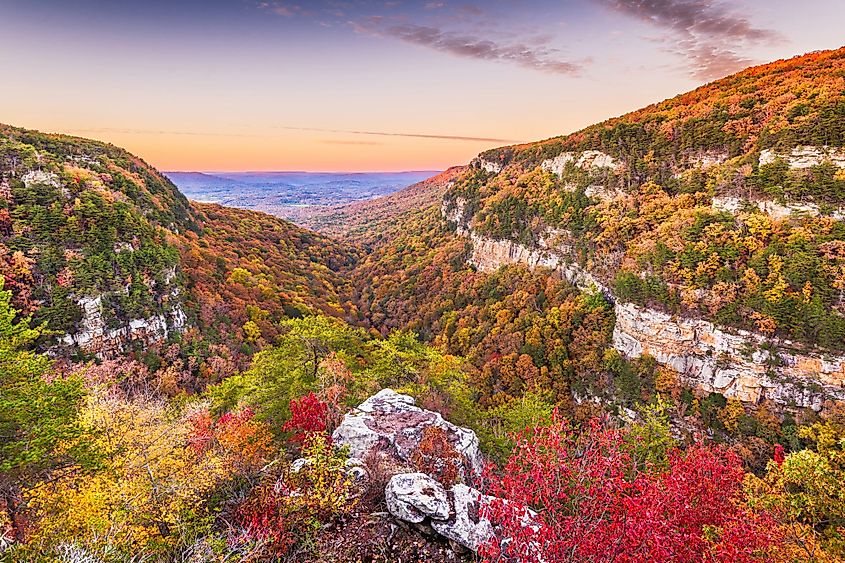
(487, 165)
(805, 156)
(93, 335)
(585, 160)
(706, 356)
(774, 209)
(413, 497)
(388, 427)
(466, 525)
(34, 177)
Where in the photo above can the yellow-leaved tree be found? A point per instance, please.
(161, 465)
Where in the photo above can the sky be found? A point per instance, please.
(361, 85)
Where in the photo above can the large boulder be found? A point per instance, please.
(386, 431)
(413, 497)
(456, 515)
(466, 525)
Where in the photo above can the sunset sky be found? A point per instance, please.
(367, 86)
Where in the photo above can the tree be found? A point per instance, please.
(39, 429)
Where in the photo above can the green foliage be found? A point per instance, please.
(650, 438)
(289, 369)
(93, 218)
(37, 415)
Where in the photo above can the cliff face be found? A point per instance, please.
(95, 335)
(736, 363)
(714, 221)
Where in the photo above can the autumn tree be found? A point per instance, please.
(38, 410)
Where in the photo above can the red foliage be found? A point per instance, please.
(308, 416)
(201, 435)
(5, 222)
(593, 504)
(779, 455)
(265, 520)
(246, 441)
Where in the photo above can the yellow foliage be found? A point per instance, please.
(777, 284)
(153, 484)
(665, 380)
(731, 414)
(252, 332)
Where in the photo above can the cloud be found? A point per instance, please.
(706, 32)
(411, 135)
(284, 9)
(133, 131)
(534, 57)
(436, 25)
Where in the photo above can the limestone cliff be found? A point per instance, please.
(738, 364)
(95, 335)
(714, 221)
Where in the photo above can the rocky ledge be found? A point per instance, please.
(382, 434)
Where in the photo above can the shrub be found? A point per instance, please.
(579, 496)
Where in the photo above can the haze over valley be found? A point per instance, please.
(290, 194)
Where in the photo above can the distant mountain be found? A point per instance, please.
(285, 194)
(361, 221)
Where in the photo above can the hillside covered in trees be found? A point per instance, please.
(179, 381)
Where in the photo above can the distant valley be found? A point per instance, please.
(291, 195)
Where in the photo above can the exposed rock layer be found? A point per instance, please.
(94, 336)
(737, 364)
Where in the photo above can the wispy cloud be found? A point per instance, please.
(135, 131)
(707, 33)
(459, 29)
(411, 135)
(535, 57)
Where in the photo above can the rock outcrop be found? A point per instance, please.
(774, 209)
(384, 431)
(707, 357)
(738, 364)
(388, 427)
(94, 336)
(584, 160)
(488, 255)
(413, 497)
(487, 165)
(457, 515)
(805, 157)
(466, 524)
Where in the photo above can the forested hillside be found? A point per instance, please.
(618, 345)
(366, 221)
(106, 252)
(723, 203)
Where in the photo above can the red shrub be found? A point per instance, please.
(266, 519)
(779, 455)
(593, 504)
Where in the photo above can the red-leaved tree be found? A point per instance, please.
(580, 496)
(308, 416)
